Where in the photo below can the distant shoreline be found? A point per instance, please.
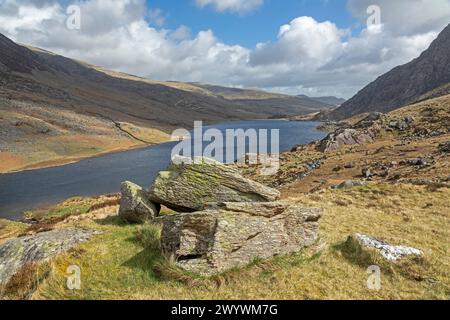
(70, 160)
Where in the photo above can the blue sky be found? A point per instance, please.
(248, 29)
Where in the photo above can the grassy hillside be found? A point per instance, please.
(408, 206)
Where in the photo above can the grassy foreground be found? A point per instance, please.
(125, 263)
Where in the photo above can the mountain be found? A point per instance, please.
(404, 84)
(43, 76)
(331, 100)
(54, 109)
(328, 100)
(259, 98)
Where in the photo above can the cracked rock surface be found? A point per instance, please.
(230, 235)
(189, 187)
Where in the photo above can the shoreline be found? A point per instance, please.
(71, 160)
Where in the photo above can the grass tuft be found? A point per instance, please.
(149, 236)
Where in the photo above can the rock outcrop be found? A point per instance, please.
(231, 235)
(366, 244)
(16, 253)
(401, 125)
(348, 136)
(189, 187)
(135, 206)
(350, 184)
(444, 147)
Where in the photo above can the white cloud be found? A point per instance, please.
(406, 17)
(308, 56)
(239, 6)
(302, 42)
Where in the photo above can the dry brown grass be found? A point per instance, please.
(27, 279)
(115, 265)
(10, 229)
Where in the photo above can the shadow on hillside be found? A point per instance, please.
(145, 260)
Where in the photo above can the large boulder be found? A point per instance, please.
(16, 253)
(135, 205)
(234, 234)
(189, 186)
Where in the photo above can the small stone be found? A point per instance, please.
(349, 165)
(367, 173)
(444, 147)
(384, 249)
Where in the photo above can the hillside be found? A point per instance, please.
(404, 84)
(55, 109)
(402, 146)
(287, 104)
(400, 193)
(329, 100)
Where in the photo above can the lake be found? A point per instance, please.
(27, 190)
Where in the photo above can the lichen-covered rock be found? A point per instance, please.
(16, 253)
(189, 187)
(135, 205)
(364, 243)
(234, 234)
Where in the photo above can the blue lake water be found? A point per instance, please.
(33, 189)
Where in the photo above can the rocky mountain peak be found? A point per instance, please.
(404, 84)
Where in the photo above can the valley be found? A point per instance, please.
(55, 110)
(395, 187)
(94, 205)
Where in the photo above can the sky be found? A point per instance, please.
(313, 47)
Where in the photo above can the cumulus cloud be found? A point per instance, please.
(308, 56)
(239, 6)
(116, 34)
(303, 42)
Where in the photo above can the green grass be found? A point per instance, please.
(72, 206)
